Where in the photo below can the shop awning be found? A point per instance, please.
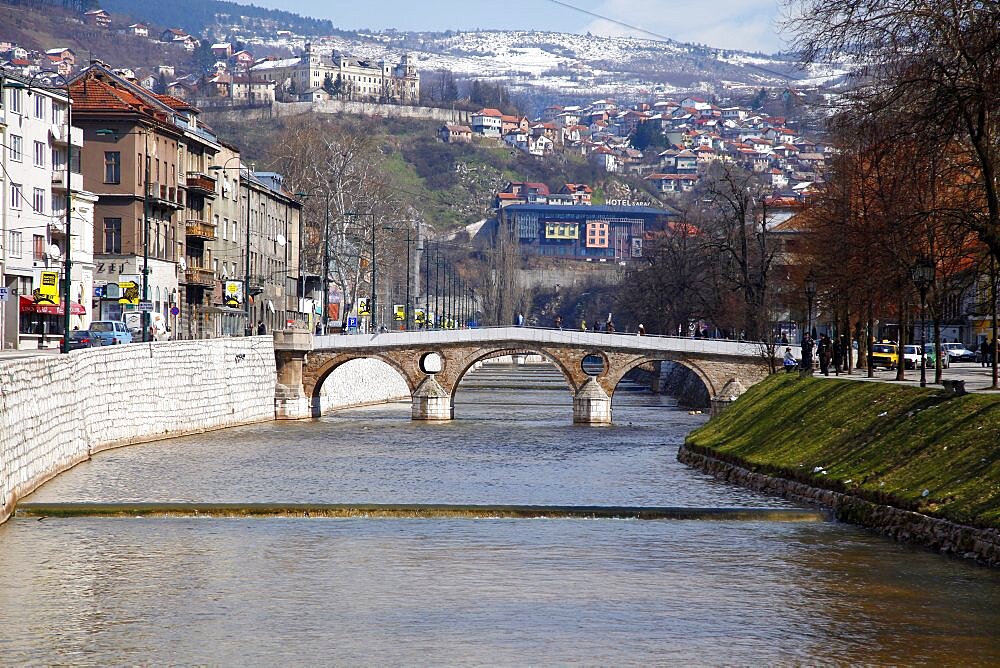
(28, 305)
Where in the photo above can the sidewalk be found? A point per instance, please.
(977, 378)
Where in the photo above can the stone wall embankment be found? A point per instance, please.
(56, 411)
(903, 525)
(362, 382)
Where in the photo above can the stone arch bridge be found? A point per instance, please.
(433, 363)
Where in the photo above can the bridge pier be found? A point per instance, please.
(290, 400)
(432, 402)
(591, 404)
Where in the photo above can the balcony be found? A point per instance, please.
(163, 195)
(58, 134)
(59, 180)
(200, 229)
(199, 276)
(201, 184)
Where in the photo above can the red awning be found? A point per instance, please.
(28, 305)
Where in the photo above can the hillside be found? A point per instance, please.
(452, 185)
(33, 28)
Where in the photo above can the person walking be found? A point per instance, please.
(261, 328)
(558, 322)
(583, 325)
(984, 353)
(519, 320)
(642, 330)
(807, 354)
(610, 327)
(823, 351)
(838, 354)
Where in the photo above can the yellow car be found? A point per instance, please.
(885, 354)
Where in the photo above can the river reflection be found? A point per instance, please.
(305, 591)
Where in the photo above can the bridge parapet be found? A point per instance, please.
(715, 362)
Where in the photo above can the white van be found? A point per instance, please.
(157, 324)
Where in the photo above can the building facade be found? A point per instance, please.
(351, 78)
(34, 192)
(592, 233)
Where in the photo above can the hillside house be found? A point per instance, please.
(488, 123)
(138, 30)
(97, 17)
(455, 134)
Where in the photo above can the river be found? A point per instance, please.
(278, 590)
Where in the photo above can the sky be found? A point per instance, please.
(732, 24)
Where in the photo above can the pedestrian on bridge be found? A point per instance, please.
(558, 322)
(642, 330)
(583, 325)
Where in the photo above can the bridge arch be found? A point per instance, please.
(571, 382)
(691, 366)
(313, 386)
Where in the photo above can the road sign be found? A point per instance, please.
(48, 288)
(174, 310)
(4, 294)
(399, 311)
(130, 292)
(363, 306)
(232, 294)
(352, 322)
(145, 305)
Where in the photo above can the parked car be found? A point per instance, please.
(911, 357)
(931, 353)
(83, 338)
(111, 332)
(885, 354)
(957, 352)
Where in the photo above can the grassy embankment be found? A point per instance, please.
(882, 442)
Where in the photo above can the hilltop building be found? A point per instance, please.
(349, 77)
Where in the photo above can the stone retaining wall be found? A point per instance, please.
(362, 382)
(56, 411)
(903, 525)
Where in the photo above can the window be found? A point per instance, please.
(38, 200)
(39, 154)
(14, 242)
(39, 106)
(16, 148)
(225, 228)
(58, 160)
(15, 196)
(113, 235)
(14, 100)
(112, 167)
(57, 113)
(37, 246)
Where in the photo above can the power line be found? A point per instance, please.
(660, 36)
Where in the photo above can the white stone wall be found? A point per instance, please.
(55, 411)
(360, 382)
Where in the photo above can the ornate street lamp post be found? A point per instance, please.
(923, 277)
(810, 289)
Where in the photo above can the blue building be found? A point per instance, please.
(583, 232)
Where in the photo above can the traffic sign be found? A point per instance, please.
(174, 310)
(352, 322)
(4, 294)
(399, 311)
(130, 292)
(363, 306)
(145, 305)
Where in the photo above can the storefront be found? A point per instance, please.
(41, 325)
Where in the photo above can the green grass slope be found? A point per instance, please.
(882, 442)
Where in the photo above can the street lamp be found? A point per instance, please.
(923, 277)
(326, 261)
(371, 301)
(67, 296)
(810, 289)
(248, 329)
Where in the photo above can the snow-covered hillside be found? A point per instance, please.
(571, 64)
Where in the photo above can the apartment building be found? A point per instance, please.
(33, 198)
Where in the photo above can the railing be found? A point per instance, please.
(199, 276)
(200, 229)
(201, 183)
